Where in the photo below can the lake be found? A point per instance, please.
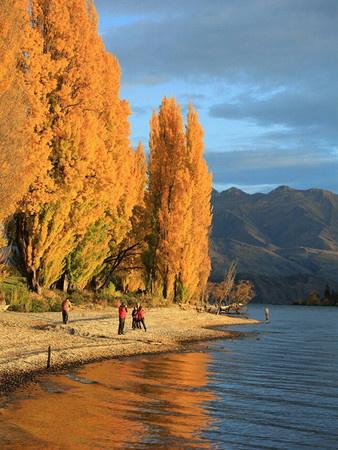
(276, 388)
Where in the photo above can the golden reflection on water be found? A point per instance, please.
(153, 402)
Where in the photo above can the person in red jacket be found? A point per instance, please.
(66, 305)
(140, 317)
(122, 317)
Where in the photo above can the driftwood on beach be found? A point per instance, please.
(227, 309)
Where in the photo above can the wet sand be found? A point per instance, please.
(92, 336)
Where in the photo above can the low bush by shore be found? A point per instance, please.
(14, 292)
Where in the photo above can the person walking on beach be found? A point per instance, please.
(140, 317)
(122, 317)
(66, 305)
(135, 323)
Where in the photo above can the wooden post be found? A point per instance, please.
(49, 355)
(267, 314)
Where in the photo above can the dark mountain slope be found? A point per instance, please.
(284, 290)
(284, 233)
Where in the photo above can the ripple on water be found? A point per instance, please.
(278, 391)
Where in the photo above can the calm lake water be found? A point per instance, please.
(274, 389)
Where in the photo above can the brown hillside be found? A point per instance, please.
(281, 234)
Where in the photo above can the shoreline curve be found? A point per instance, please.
(91, 336)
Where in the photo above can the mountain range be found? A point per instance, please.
(284, 241)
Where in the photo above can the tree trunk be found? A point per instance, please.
(165, 289)
(31, 275)
(32, 281)
(21, 243)
(65, 282)
(175, 289)
(165, 283)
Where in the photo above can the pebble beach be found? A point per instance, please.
(91, 335)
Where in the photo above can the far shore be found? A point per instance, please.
(92, 336)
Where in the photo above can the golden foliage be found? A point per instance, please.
(78, 183)
(80, 200)
(178, 201)
(13, 102)
(195, 261)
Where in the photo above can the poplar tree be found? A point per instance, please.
(166, 180)
(14, 172)
(195, 261)
(178, 202)
(108, 241)
(71, 211)
(124, 259)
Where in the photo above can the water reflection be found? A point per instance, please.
(153, 402)
(275, 389)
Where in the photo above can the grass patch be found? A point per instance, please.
(14, 290)
(16, 293)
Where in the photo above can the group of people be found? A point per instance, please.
(137, 318)
(137, 315)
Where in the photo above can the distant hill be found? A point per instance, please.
(286, 233)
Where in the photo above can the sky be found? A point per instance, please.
(263, 75)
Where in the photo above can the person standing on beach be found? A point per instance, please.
(66, 305)
(122, 317)
(135, 323)
(140, 317)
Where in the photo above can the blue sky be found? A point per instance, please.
(262, 74)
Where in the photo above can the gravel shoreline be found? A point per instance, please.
(92, 336)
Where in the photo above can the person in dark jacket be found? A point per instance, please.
(135, 323)
(122, 317)
(140, 317)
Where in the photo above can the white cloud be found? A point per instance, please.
(266, 70)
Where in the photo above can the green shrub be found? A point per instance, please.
(114, 302)
(107, 294)
(37, 303)
(78, 298)
(154, 300)
(110, 290)
(13, 271)
(54, 304)
(18, 298)
(9, 283)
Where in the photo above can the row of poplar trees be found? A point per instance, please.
(76, 199)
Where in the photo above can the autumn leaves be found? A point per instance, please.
(81, 199)
(178, 202)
